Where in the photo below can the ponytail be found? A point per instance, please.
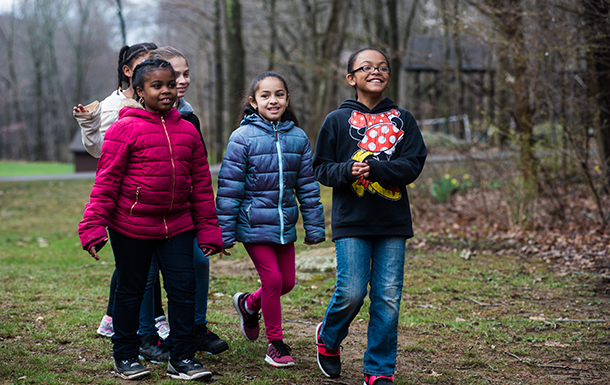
(127, 55)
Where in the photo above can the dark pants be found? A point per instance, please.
(157, 293)
(132, 258)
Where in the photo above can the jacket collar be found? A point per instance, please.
(256, 120)
(130, 107)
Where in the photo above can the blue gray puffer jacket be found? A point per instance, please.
(264, 167)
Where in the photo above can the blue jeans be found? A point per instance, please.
(132, 259)
(202, 276)
(360, 262)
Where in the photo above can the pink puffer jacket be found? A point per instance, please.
(153, 182)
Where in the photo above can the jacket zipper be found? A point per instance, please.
(281, 181)
(171, 154)
(136, 202)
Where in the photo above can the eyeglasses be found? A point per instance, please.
(369, 69)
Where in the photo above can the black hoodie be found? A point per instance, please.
(389, 138)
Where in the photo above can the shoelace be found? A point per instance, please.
(188, 361)
(330, 352)
(282, 348)
(252, 319)
(129, 362)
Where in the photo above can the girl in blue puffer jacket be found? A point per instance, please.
(267, 162)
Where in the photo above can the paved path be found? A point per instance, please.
(214, 169)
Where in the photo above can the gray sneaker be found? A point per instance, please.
(187, 369)
(153, 349)
(130, 369)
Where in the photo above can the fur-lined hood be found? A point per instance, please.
(132, 103)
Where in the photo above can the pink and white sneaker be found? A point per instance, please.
(278, 354)
(106, 329)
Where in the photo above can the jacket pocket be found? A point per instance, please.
(136, 202)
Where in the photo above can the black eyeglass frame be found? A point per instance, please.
(374, 68)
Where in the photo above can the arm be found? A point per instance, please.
(328, 169)
(308, 193)
(231, 188)
(97, 121)
(202, 200)
(111, 168)
(408, 164)
(89, 120)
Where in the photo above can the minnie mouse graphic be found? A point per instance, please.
(377, 134)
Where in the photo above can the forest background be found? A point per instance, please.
(509, 270)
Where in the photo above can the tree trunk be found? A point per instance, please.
(323, 91)
(16, 94)
(121, 21)
(395, 51)
(272, 17)
(218, 83)
(597, 37)
(235, 58)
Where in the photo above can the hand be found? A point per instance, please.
(207, 252)
(361, 169)
(225, 251)
(97, 247)
(80, 109)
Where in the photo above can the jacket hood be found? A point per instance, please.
(353, 104)
(255, 120)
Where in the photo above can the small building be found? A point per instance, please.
(450, 77)
(83, 161)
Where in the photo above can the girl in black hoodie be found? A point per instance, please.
(368, 150)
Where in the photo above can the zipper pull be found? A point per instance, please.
(275, 131)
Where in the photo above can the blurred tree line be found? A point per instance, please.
(542, 82)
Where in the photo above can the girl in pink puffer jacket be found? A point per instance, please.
(153, 192)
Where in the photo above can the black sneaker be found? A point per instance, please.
(130, 369)
(207, 341)
(153, 349)
(329, 360)
(187, 369)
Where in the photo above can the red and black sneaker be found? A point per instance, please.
(249, 322)
(378, 380)
(329, 360)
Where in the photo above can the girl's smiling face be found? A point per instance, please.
(369, 84)
(159, 92)
(270, 99)
(183, 80)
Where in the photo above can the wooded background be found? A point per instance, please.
(525, 72)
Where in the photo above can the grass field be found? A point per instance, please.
(34, 168)
(483, 320)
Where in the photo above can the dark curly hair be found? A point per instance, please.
(142, 70)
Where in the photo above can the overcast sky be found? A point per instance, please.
(5, 5)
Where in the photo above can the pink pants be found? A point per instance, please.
(275, 266)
